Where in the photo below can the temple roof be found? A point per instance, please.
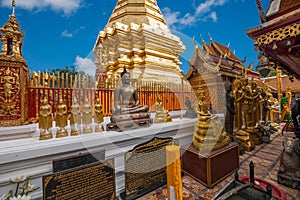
(278, 36)
(225, 51)
(279, 7)
(217, 58)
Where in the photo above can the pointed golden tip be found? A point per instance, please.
(13, 3)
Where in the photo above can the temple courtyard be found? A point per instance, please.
(266, 158)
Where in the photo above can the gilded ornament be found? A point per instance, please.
(161, 115)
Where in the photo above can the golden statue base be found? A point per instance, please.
(61, 133)
(45, 135)
(245, 138)
(99, 128)
(207, 136)
(255, 135)
(74, 131)
(162, 118)
(87, 129)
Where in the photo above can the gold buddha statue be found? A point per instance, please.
(86, 116)
(75, 118)
(61, 119)
(45, 121)
(209, 134)
(127, 113)
(161, 115)
(98, 118)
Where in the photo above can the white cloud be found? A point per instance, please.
(66, 34)
(213, 16)
(171, 17)
(65, 6)
(86, 65)
(188, 19)
(202, 12)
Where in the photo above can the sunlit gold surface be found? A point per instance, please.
(13, 73)
(61, 119)
(208, 133)
(134, 36)
(161, 115)
(45, 120)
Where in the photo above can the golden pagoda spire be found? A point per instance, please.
(12, 39)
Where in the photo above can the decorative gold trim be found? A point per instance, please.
(279, 34)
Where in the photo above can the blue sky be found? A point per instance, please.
(63, 32)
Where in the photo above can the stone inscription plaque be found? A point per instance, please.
(145, 167)
(77, 161)
(94, 182)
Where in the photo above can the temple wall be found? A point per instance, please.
(34, 157)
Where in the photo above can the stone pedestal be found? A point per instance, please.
(213, 167)
(129, 121)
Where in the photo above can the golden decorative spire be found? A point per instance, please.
(138, 12)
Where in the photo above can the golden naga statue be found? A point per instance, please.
(98, 119)
(86, 116)
(61, 119)
(45, 121)
(75, 118)
(161, 115)
(208, 133)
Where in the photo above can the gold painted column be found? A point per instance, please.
(174, 181)
(279, 84)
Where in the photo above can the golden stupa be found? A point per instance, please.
(138, 36)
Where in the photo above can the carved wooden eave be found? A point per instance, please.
(279, 38)
(202, 62)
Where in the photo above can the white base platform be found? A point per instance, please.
(33, 157)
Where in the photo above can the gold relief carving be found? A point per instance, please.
(10, 85)
(278, 34)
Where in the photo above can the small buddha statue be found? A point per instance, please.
(127, 113)
(61, 119)
(75, 118)
(98, 118)
(161, 115)
(45, 121)
(209, 134)
(86, 116)
(190, 113)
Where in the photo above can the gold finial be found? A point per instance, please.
(13, 4)
(210, 38)
(202, 39)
